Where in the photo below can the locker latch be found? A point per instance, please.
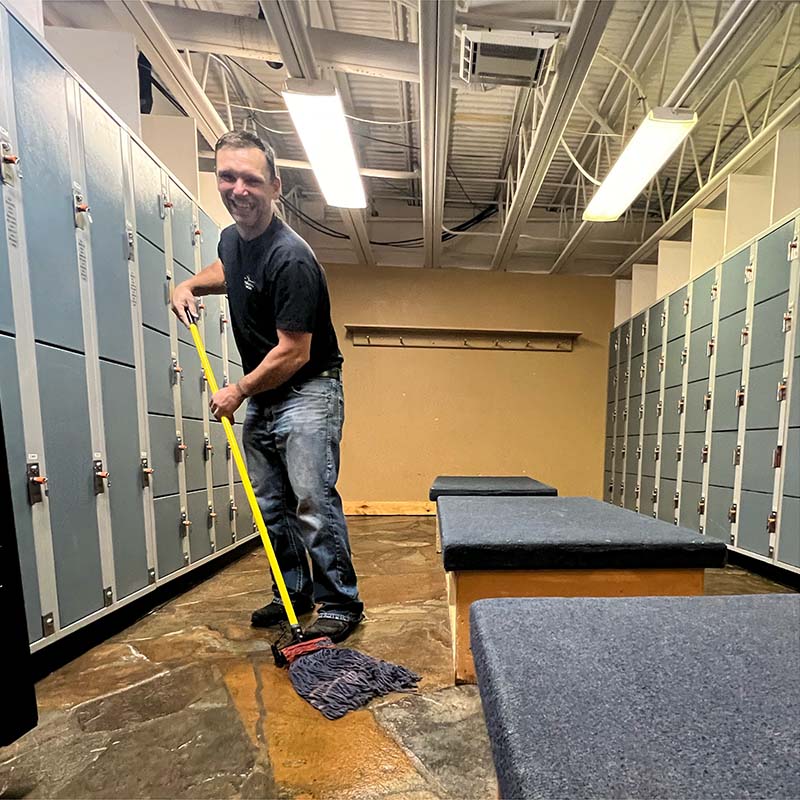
(737, 455)
(657, 452)
(208, 449)
(707, 401)
(48, 624)
(637, 491)
(791, 250)
(704, 454)
(710, 347)
(130, 242)
(610, 489)
(654, 495)
(714, 291)
(641, 372)
(82, 210)
(772, 522)
(9, 161)
(685, 306)
(228, 449)
(151, 575)
(622, 453)
(679, 452)
(745, 335)
(100, 477)
(740, 396)
(681, 405)
(197, 235)
(641, 411)
(614, 380)
(783, 387)
(777, 456)
(676, 499)
(613, 452)
(644, 329)
(684, 355)
(147, 471)
(659, 407)
(627, 376)
(186, 524)
(180, 448)
(164, 204)
(177, 371)
(614, 415)
(108, 596)
(37, 483)
(232, 509)
(748, 273)
(625, 413)
(627, 338)
(663, 318)
(616, 344)
(701, 506)
(787, 321)
(223, 321)
(732, 513)
(639, 455)
(212, 515)
(661, 363)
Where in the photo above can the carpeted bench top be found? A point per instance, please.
(487, 485)
(668, 697)
(564, 533)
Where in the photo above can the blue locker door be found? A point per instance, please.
(209, 239)
(216, 366)
(244, 516)
(753, 513)
(794, 408)
(690, 499)
(791, 463)
(666, 500)
(652, 377)
(125, 474)
(6, 307)
(48, 203)
(676, 323)
(729, 344)
(772, 265)
(219, 455)
(675, 362)
(699, 359)
(213, 324)
(649, 456)
(73, 509)
(224, 520)
(789, 542)
(651, 413)
(671, 411)
(702, 303)
(624, 345)
(722, 449)
(192, 384)
(763, 408)
(16, 458)
(613, 348)
(629, 500)
(153, 286)
(160, 373)
(726, 407)
(169, 534)
(669, 456)
(608, 487)
(183, 237)
(638, 334)
(148, 197)
(646, 489)
(768, 339)
(200, 530)
(611, 414)
(611, 386)
(233, 350)
(194, 455)
(163, 441)
(692, 457)
(179, 275)
(733, 284)
(105, 193)
(696, 406)
(718, 504)
(237, 432)
(655, 328)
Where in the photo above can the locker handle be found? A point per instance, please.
(710, 347)
(782, 389)
(737, 455)
(745, 335)
(772, 522)
(168, 204)
(40, 479)
(10, 159)
(707, 401)
(732, 513)
(684, 355)
(739, 396)
(787, 322)
(701, 506)
(777, 455)
(704, 454)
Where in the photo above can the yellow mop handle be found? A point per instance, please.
(248, 487)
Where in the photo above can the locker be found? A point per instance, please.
(702, 302)
(638, 334)
(608, 487)
(767, 337)
(611, 413)
(219, 455)
(213, 324)
(689, 516)
(763, 408)
(181, 274)
(721, 455)
(758, 472)
(699, 358)
(608, 457)
(16, 458)
(192, 383)
(200, 529)
(148, 197)
(160, 372)
(674, 362)
(646, 487)
(733, 284)
(611, 397)
(655, 328)
(613, 348)
(794, 399)
(624, 383)
(773, 268)
(676, 320)
(666, 501)
(636, 375)
(695, 412)
(791, 463)
(648, 455)
(238, 434)
(753, 513)
(789, 542)
(669, 459)
(163, 443)
(718, 504)
(624, 345)
(48, 203)
(183, 227)
(73, 508)
(209, 239)
(725, 405)
(729, 344)
(619, 463)
(105, 194)
(671, 410)
(194, 459)
(169, 534)
(244, 516)
(632, 462)
(652, 378)
(6, 306)
(125, 473)
(223, 521)
(651, 412)
(620, 491)
(629, 500)
(153, 286)
(692, 457)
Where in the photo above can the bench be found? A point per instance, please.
(560, 547)
(652, 697)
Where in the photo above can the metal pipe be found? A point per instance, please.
(777, 69)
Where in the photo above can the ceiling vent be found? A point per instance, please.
(508, 58)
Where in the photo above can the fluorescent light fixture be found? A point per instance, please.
(656, 139)
(318, 115)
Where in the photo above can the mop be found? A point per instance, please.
(334, 680)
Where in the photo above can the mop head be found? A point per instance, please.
(337, 680)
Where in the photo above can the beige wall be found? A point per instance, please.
(412, 414)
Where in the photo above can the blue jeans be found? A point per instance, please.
(292, 449)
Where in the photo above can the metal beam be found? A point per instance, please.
(436, 32)
(584, 38)
(290, 32)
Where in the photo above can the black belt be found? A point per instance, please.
(330, 373)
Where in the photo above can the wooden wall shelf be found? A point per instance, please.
(460, 338)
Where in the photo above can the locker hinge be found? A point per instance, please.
(641, 372)
(787, 321)
(641, 411)
(208, 449)
(180, 448)
(627, 376)
(177, 371)
(710, 347)
(186, 524)
(232, 509)
(10, 162)
(701, 507)
(100, 476)
(637, 491)
(657, 452)
(151, 575)
(676, 500)
(745, 335)
(228, 448)
(707, 401)
(622, 453)
(661, 363)
(147, 471)
(223, 321)
(704, 454)
(679, 452)
(748, 273)
(611, 489)
(783, 387)
(163, 204)
(37, 483)
(613, 452)
(732, 513)
(663, 318)
(737, 455)
(130, 241)
(212, 515)
(625, 413)
(777, 456)
(108, 596)
(772, 522)
(614, 415)
(686, 307)
(197, 235)
(714, 291)
(644, 330)
(185, 559)
(654, 496)
(616, 344)
(659, 408)
(681, 405)
(627, 338)
(639, 454)
(684, 355)
(48, 624)
(740, 392)
(791, 250)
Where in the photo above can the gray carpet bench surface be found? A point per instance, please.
(487, 485)
(679, 698)
(564, 533)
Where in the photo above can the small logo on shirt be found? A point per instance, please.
(249, 283)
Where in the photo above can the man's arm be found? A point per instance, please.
(210, 280)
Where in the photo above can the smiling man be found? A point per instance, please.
(281, 317)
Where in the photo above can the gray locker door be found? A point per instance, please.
(636, 374)
(647, 485)
(692, 457)
(48, 204)
(73, 509)
(789, 543)
(757, 470)
(192, 384)
(237, 432)
(125, 476)
(794, 399)
(772, 266)
(209, 238)
(699, 360)
(669, 461)
(632, 465)
(147, 194)
(219, 455)
(695, 406)
(16, 459)
(754, 511)
(624, 344)
(721, 467)
(611, 389)
(674, 362)
(213, 325)
(652, 378)
(153, 286)
(244, 516)
(105, 194)
(162, 455)
(726, 409)
(216, 366)
(763, 408)
(649, 455)
(608, 487)
(690, 498)
(613, 348)
(702, 304)
(194, 439)
(638, 333)
(666, 500)
(169, 544)
(733, 284)
(6, 306)
(767, 336)
(182, 226)
(676, 322)
(200, 530)
(718, 504)
(624, 383)
(630, 492)
(179, 275)
(671, 410)
(729, 344)
(608, 456)
(791, 463)
(655, 329)
(611, 409)
(223, 522)
(651, 413)
(159, 372)
(619, 446)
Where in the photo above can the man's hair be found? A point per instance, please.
(239, 140)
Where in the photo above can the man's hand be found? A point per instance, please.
(225, 402)
(183, 299)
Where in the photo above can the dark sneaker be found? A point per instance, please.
(337, 630)
(274, 613)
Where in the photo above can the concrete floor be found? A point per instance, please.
(188, 703)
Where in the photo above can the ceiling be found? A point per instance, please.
(637, 54)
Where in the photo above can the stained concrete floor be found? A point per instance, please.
(187, 703)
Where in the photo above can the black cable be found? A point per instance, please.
(460, 185)
(257, 80)
(386, 141)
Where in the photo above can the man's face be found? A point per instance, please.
(245, 185)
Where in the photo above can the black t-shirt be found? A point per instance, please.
(275, 282)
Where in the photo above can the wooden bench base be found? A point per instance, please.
(463, 588)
